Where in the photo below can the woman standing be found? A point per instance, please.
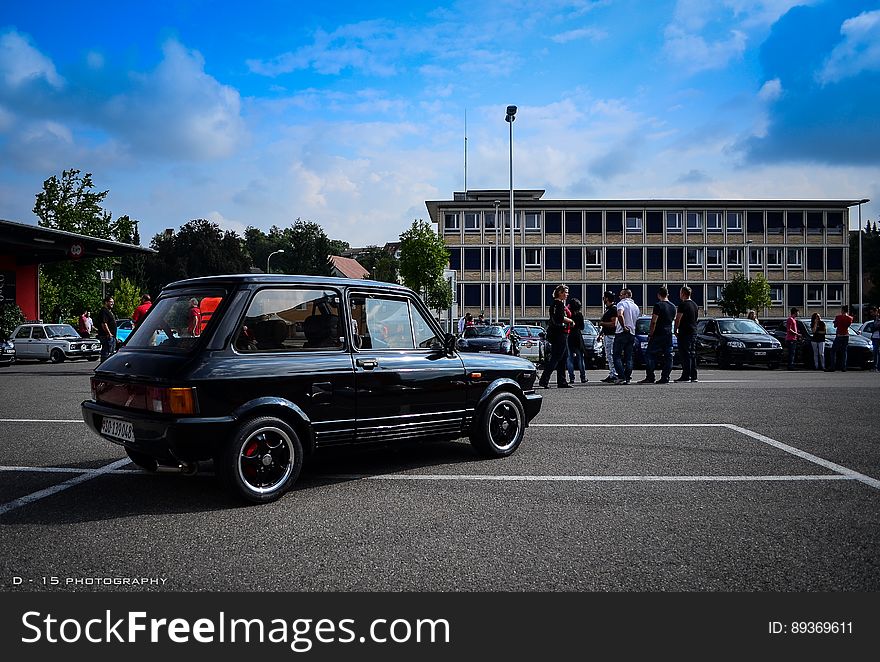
(817, 340)
(576, 359)
(558, 328)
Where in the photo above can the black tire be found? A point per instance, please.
(262, 460)
(144, 461)
(499, 427)
(772, 366)
(56, 356)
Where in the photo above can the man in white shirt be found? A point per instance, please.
(624, 340)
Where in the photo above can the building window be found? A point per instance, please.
(815, 259)
(533, 295)
(533, 258)
(471, 221)
(796, 295)
(593, 222)
(489, 220)
(815, 225)
(835, 222)
(756, 257)
(734, 257)
(614, 221)
(795, 258)
(734, 221)
(593, 258)
(450, 222)
(774, 257)
(794, 221)
(634, 258)
(775, 224)
(835, 293)
(634, 222)
(814, 294)
(573, 222)
(655, 258)
(614, 258)
(472, 259)
(714, 222)
(673, 221)
(552, 258)
(533, 221)
(552, 224)
(775, 293)
(654, 222)
(471, 296)
(695, 221)
(695, 257)
(455, 259)
(714, 258)
(573, 258)
(755, 222)
(834, 260)
(674, 259)
(713, 293)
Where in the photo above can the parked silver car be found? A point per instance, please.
(53, 342)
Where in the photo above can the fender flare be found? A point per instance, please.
(283, 408)
(501, 384)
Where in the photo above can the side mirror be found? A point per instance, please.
(449, 342)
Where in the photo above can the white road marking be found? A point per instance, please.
(594, 479)
(41, 420)
(54, 489)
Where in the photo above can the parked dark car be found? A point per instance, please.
(860, 353)
(730, 341)
(484, 338)
(291, 365)
(643, 326)
(531, 340)
(592, 358)
(7, 352)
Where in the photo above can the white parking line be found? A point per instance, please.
(41, 420)
(54, 489)
(596, 479)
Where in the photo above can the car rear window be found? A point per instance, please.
(175, 322)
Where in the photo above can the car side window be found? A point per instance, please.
(24, 332)
(424, 333)
(291, 320)
(39, 333)
(386, 322)
(711, 327)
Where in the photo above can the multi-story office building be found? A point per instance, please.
(800, 246)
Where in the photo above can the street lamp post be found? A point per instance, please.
(509, 118)
(280, 250)
(497, 269)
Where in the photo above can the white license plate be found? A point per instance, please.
(117, 429)
(760, 353)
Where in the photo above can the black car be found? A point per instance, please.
(860, 351)
(290, 365)
(484, 338)
(730, 341)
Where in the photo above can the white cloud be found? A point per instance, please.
(95, 60)
(859, 51)
(694, 53)
(593, 34)
(20, 62)
(225, 223)
(770, 91)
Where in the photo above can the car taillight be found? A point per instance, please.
(174, 400)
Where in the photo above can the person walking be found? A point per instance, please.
(138, 315)
(792, 335)
(625, 335)
(558, 328)
(817, 341)
(576, 360)
(107, 329)
(685, 330)
(86, 324)
(840, 348)
(660, 339)
(607, 329)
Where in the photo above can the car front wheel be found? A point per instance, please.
(56, 355)
(262, 460)
(500, 426)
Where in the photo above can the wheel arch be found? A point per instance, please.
(285, 410)
(502, 384)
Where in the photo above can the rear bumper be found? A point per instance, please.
(167, 438)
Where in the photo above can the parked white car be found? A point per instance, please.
(53, 342)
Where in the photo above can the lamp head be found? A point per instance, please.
(511, 112)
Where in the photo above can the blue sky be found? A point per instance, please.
(352, 114)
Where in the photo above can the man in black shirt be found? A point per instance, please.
(660, 339)
(608, 327)
(685, 330)
(106, 323)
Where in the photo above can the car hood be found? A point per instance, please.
(751, 338)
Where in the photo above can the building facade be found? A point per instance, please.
(800, 246)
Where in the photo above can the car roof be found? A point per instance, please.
(283, 279)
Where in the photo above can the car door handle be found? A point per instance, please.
(367, 364)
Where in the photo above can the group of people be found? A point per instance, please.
(105, 325)
(817, 333)
(618, 336)
(468, 319)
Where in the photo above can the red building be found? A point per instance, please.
(23, 248)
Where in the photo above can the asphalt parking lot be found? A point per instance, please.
(750, 480)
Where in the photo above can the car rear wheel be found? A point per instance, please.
(262, 460)
(499, 426)
(56, 355)
(144, 461)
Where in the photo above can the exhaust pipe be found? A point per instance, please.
(185, 468)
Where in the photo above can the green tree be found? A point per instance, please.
(380, 263)
(306, 251)
(423, 257)
(10, 317)
(739, 295)
(126, 297)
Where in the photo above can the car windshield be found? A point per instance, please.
(741, 326)
(829, 324)
(643, 325)
(483, 332)
(61, 331)
(175, 322)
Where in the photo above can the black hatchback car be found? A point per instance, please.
(736, 341)
(288, 365)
